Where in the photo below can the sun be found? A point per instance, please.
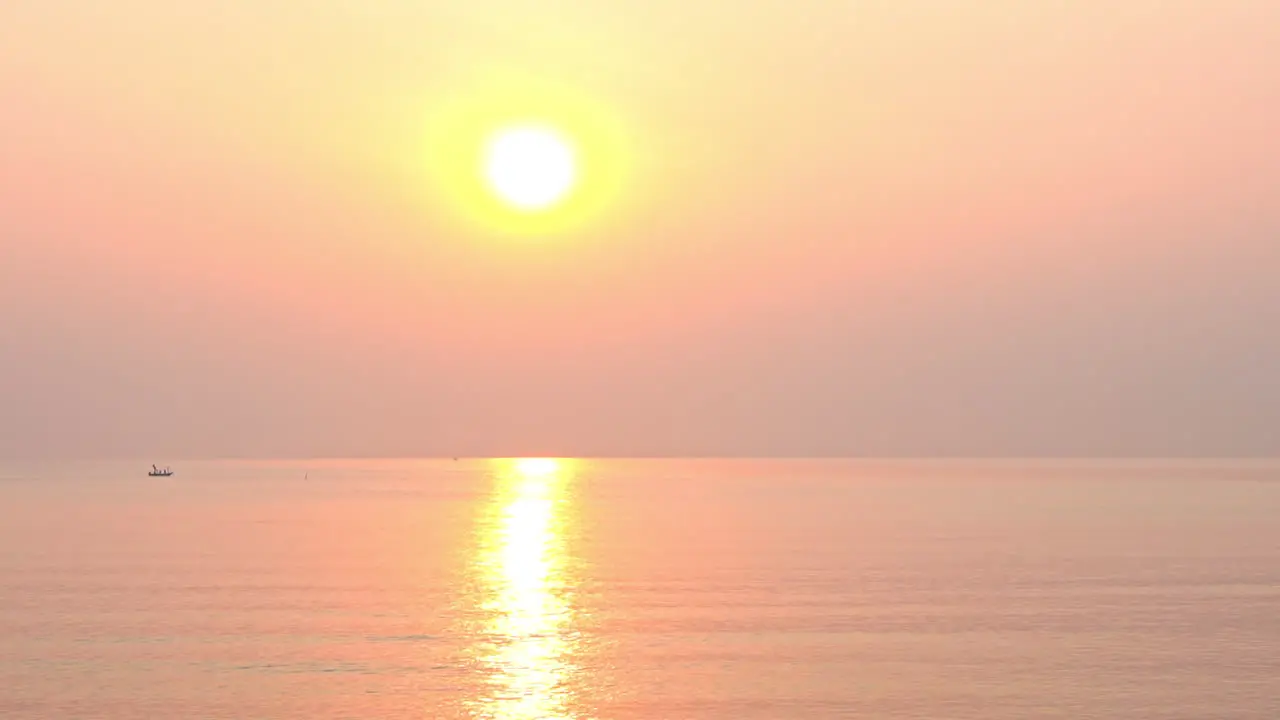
(508, 157)
(529, 167)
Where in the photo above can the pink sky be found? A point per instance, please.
(883, 227)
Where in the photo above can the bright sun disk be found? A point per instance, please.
(529, 168)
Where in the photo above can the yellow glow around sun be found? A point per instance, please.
(511, 154)
(529, 167)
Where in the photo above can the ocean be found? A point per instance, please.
(641, 589)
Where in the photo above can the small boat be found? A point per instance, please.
(160, 472)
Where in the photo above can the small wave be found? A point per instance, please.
(402, 638)
(306, 668)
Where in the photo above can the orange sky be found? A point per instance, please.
(847, 228)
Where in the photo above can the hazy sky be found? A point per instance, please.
(867, 227)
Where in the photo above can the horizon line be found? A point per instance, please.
(872, 458)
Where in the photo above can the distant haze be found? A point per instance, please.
(886, 227)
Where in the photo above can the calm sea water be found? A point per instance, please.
(662, 590)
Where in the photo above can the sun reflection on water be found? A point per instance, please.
(525, 581)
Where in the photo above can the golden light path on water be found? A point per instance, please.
(525, 581)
